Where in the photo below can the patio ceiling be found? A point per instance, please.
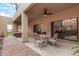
(37, 10)
(18, 20)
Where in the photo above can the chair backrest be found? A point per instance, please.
(36, 36)
(49, 35)
(55, 36)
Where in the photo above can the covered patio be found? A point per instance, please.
(41, 19)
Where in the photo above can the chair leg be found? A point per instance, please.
(35, 43)
(53, 43)
(40, 45)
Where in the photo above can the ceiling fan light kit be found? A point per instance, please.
(46, 13)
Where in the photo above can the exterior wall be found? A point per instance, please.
(78, 22)
(3, 24)
(46, 21)
(15, 27)
(78, 29)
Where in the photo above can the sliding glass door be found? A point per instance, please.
(70, 28)
(67, 29)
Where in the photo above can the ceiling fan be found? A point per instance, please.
(46, 13)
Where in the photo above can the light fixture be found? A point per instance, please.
(45, 12)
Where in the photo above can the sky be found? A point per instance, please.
(7, 9)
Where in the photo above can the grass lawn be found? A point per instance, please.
(9, 33)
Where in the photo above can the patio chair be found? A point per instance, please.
(54, 39)
(37, 40)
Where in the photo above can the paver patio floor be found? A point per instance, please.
(13, 47)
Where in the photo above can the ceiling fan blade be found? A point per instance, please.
(45, 11)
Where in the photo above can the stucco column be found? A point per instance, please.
(15, 27)
(24, 20)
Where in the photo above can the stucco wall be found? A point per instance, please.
(3, 24)
(46, 21)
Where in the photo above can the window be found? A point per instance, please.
(37, 28)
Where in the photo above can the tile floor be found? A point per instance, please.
(61, 48)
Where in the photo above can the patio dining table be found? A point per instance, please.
(45, 38)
